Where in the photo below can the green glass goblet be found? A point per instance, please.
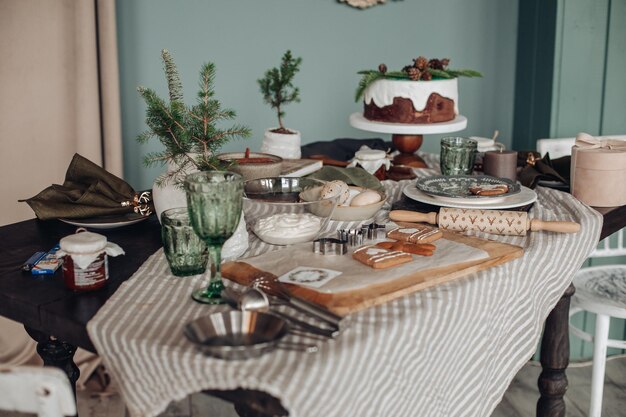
(214, 201)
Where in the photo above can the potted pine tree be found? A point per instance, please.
(190, 137)
(278, 91)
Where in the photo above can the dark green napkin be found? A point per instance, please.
(351, 176)
(88, 191)
(545, 169)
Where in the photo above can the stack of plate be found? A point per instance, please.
(453, 191)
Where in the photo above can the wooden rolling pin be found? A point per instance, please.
(498, 222)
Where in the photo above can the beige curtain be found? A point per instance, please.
(59, 89)
(59, 94)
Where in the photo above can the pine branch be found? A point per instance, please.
(365, 82)
(174, 84)
(144, 137)
(397, 75)
(464, 73)
(207, 77)
(370, 76)
(184, 130)
(440, 73)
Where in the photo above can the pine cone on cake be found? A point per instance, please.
(445, 62)
(420, 63)
(382, 68)
(426, 75)
(435, 64)
(414, 74)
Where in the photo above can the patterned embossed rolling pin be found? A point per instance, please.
(498, 222)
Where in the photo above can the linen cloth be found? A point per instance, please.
(88, 190)
(451, 350)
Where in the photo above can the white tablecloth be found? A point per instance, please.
(447, 351)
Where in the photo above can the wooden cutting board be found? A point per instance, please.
(347, 302)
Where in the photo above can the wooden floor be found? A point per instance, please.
(519, 401)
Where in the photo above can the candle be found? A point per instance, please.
(502, 164)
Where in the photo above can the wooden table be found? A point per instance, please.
(56, 317)
(552, 382)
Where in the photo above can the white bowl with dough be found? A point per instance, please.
(348, 213)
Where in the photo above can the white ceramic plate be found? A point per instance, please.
(524, 197)
(106, 222)
(360, 122)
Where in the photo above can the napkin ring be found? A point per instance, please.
(141, 203)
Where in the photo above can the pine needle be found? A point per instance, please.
(365, 82)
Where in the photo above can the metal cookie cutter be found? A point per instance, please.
(354, 237)
(374, 231)
(330, 246)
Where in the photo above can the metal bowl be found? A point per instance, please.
(236, 334)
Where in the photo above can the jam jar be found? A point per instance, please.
(372, 160)
(85, 260)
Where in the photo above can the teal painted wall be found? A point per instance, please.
(246, 37)
(590, 98)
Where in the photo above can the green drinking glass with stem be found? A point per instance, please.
(214, 201)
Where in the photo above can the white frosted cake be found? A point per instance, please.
(414, 102)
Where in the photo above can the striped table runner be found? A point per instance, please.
(446, 351)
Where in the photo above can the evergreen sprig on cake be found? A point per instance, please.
(422, 69)
(189, 134)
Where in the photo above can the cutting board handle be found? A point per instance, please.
(413, 216)
(559, 227)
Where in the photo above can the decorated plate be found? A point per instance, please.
(458, 186)
(106, 222)
(521, 199)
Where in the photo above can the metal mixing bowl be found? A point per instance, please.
(236, 334)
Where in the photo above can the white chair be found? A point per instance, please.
(43, 391)
(600, 290)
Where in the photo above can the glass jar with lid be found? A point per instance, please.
(85, 260)
(374, 161)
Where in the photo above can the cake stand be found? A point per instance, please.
(407, 138)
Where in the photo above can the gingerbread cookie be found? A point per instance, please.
(380, 258)
(490, 190)
(423, 249)
(416, 234)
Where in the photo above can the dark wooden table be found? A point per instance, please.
(57, 317)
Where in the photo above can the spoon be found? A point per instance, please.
(256, 300)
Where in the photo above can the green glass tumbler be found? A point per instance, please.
(185, 252)
(214, 202)
(458, 155)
